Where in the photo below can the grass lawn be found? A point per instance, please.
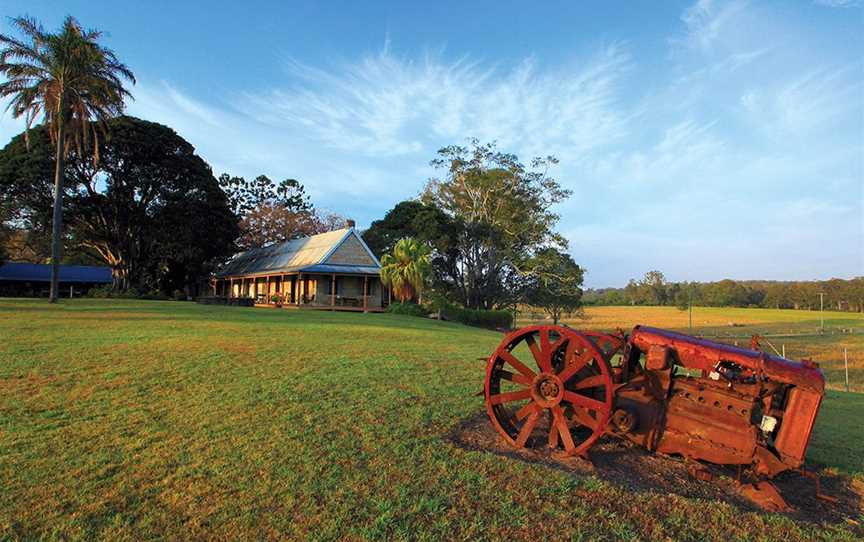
(143, 419)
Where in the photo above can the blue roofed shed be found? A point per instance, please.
(33, 279)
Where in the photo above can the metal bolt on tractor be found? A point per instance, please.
(665, 391)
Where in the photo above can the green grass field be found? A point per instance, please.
(129, 420)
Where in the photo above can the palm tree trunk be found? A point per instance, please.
(57, 217)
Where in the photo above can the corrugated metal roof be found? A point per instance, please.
(343, 269)
(35, 272)
(290, 256)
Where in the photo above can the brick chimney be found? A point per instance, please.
(350, 224)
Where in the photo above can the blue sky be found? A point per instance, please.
(708, 140)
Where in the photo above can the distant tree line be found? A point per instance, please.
(654, 289)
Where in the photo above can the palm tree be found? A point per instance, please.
(73, 84)
(406, 269)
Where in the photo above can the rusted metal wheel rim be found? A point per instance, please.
(552, 378)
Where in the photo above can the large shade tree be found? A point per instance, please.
(70, 82)
(150, 208)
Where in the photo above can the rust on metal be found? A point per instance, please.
(765, 495)
(666, 391)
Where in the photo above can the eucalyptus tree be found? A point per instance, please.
(505, 213)
(73, 85)
(554, 283)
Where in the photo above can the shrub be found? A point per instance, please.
(232, 301)
(100, 292)
(488, 319)
(179, 295)
(407, 309)
(106, 291)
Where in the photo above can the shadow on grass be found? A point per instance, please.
(633, 468)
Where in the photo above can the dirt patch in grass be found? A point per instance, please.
(631, 467)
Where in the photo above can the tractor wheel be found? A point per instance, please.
(552, 384)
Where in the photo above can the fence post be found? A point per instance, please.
(846, 364)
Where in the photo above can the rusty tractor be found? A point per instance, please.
(667, 392)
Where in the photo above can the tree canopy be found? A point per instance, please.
(74, 85)
(554, 284)
(272, 212)
(500, 213)
(150, 208)
(424, 223)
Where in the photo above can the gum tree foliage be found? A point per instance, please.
(150, 208)
(554, 284)
(502, 213)
(687, 294)
(272, 213)
(651, 290)
(74, 85)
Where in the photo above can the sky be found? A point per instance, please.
(707, 140)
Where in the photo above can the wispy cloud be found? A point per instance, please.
(839, 3)
(707, 21)
(192, 107)
(819, 99)
(387, 106)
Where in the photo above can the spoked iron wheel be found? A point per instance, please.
(552, 384)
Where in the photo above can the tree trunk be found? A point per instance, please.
(57, 217)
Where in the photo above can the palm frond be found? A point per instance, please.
(64, 76)
(406, 269)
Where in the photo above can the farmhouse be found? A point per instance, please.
(333, 270)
